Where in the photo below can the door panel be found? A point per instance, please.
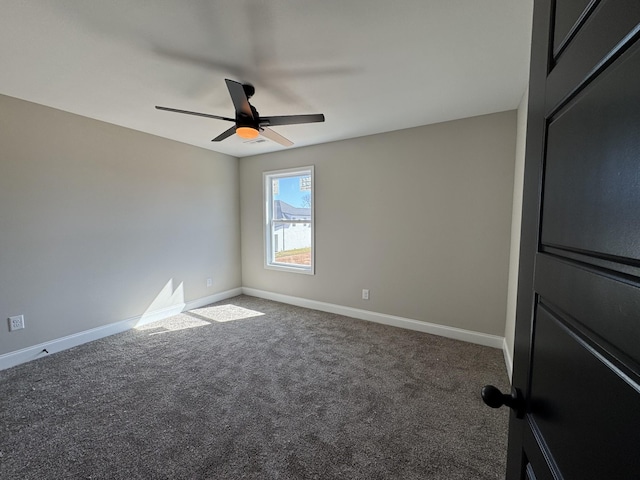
(597, 40)
(592, 175)
(576, 394)
(603, 306)
(569, 15)
(577, 342)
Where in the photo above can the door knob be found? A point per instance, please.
(494, 398)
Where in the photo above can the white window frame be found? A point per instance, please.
(267, 196)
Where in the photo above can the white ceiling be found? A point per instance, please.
(370, 66)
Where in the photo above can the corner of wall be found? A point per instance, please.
(516, 222)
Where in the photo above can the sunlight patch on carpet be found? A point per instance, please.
(173, 324)
(225, 313)
(198, 317)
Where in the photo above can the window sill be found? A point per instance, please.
(290, 268)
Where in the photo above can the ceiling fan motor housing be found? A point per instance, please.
(249, 90)
(243, 120)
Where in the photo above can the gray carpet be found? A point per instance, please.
(266, 391)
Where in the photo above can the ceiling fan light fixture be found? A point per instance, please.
(248, 124)
(247, 132)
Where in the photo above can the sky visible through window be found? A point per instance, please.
(289, 190)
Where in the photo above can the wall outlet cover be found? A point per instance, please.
(16, 323)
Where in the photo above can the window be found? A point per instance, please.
(288, 196)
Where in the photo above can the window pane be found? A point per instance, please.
(289, 220)
(292, 243)
(292, 197)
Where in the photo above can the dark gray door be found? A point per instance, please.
(577, 348)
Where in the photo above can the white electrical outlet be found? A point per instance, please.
(365, 294)
(16, 323)
(209, 282)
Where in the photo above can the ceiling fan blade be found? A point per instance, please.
(206, 115)
(225, 134)
(291, 119)
(240, 100)
(276, 137)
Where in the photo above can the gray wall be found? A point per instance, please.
(516, 224)
(421, 217)
(96, 219)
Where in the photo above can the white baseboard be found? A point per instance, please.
(160, 314)
(12, 359)
(216, 297)
(507, 359)
(410, 324)
(17, 357)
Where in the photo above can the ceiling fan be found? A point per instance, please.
(248, 123)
